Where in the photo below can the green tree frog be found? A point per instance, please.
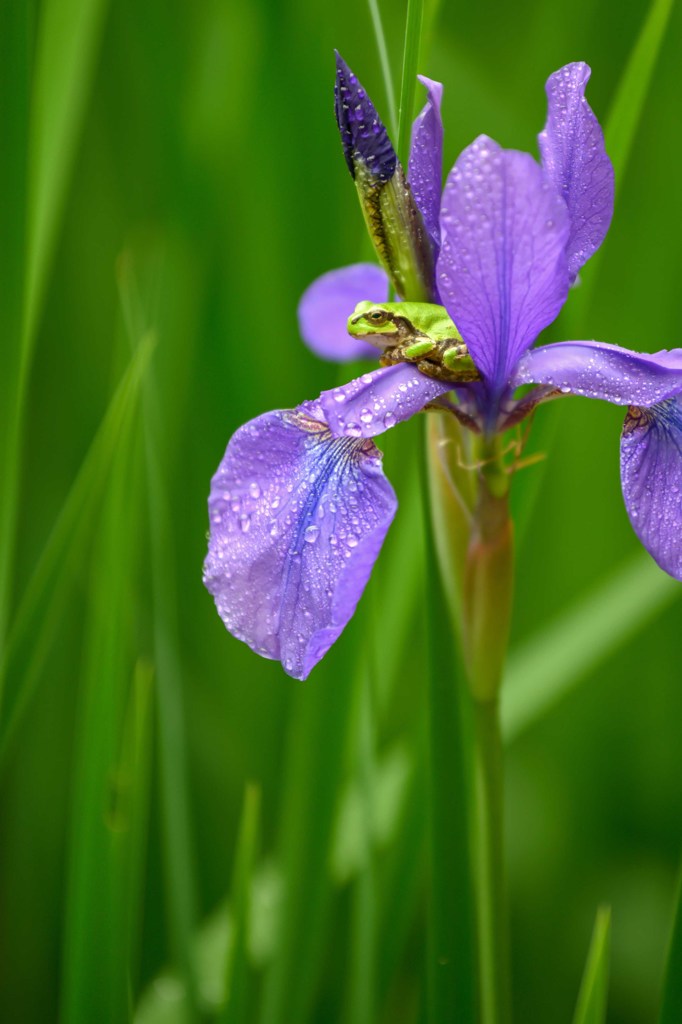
(415, 332)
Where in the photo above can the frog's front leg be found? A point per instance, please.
(408, 351)
(417, 350)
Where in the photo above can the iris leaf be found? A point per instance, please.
(591, 1008)
(177, 842)
(48, 122)
(95, 934)
(671, 1006)
(47, 589)
(237, 975)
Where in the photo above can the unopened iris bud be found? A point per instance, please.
(393, 220)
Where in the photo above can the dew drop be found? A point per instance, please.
(311, 534)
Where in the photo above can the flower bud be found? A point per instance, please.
(393, 220)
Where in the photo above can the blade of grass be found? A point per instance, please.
(360, 1006)
(626, 109)
(129, 818)
(52, 575)
(15, 31)
(236, 1009)
(177, 842)
(66, 51)
(451, 942)
(95, 968)
(318, 740)
(385, 62)
(400, 878)
(548, 666)
(67, 38)
(591, 1008)
(411, 57)
(671, 1004)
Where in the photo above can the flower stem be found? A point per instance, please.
(493, 946)
(411, 55)
(451, 940)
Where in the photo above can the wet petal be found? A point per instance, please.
(375, 402)
(502, 272)
(651, 477)
(363, 135)
(425, 167)
(297, 520)
(609, 372)
(328, 302)
(575, 160)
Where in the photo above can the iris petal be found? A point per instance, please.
(609, 372)
(375, 402)
(575, 160)
(502, 272)
(425, 167)
(651, 477)
(327, 303)
(297, 519)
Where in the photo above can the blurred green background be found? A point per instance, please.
(171, 181)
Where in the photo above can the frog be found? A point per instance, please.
(415, 332)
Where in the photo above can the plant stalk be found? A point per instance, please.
(493, 944)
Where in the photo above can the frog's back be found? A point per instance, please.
(428, 319)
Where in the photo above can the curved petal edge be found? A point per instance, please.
(596, 370)
(377, 401)
(297, 519)
(502, 273)
(425, 166)
(327, 303)
(651, 478)
(575, 160)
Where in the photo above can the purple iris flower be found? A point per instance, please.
(299, 506)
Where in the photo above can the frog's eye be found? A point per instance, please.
(377, 316)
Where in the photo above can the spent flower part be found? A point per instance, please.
(299, 506)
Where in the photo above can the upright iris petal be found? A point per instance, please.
(575, 160)
(425, 166)
(651, 478)
(297, 519)
(502, 271)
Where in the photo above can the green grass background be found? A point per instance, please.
(171, 180)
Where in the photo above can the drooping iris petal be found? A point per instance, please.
(297, 519)
(502, 272)
(651, 478)
(425, 167)
(328, 302)
(575, 160)
(375, 402)
(608, 372)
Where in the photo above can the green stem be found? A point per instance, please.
(493, 946)
(413, 30)
(385, 62)
(451, 941)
